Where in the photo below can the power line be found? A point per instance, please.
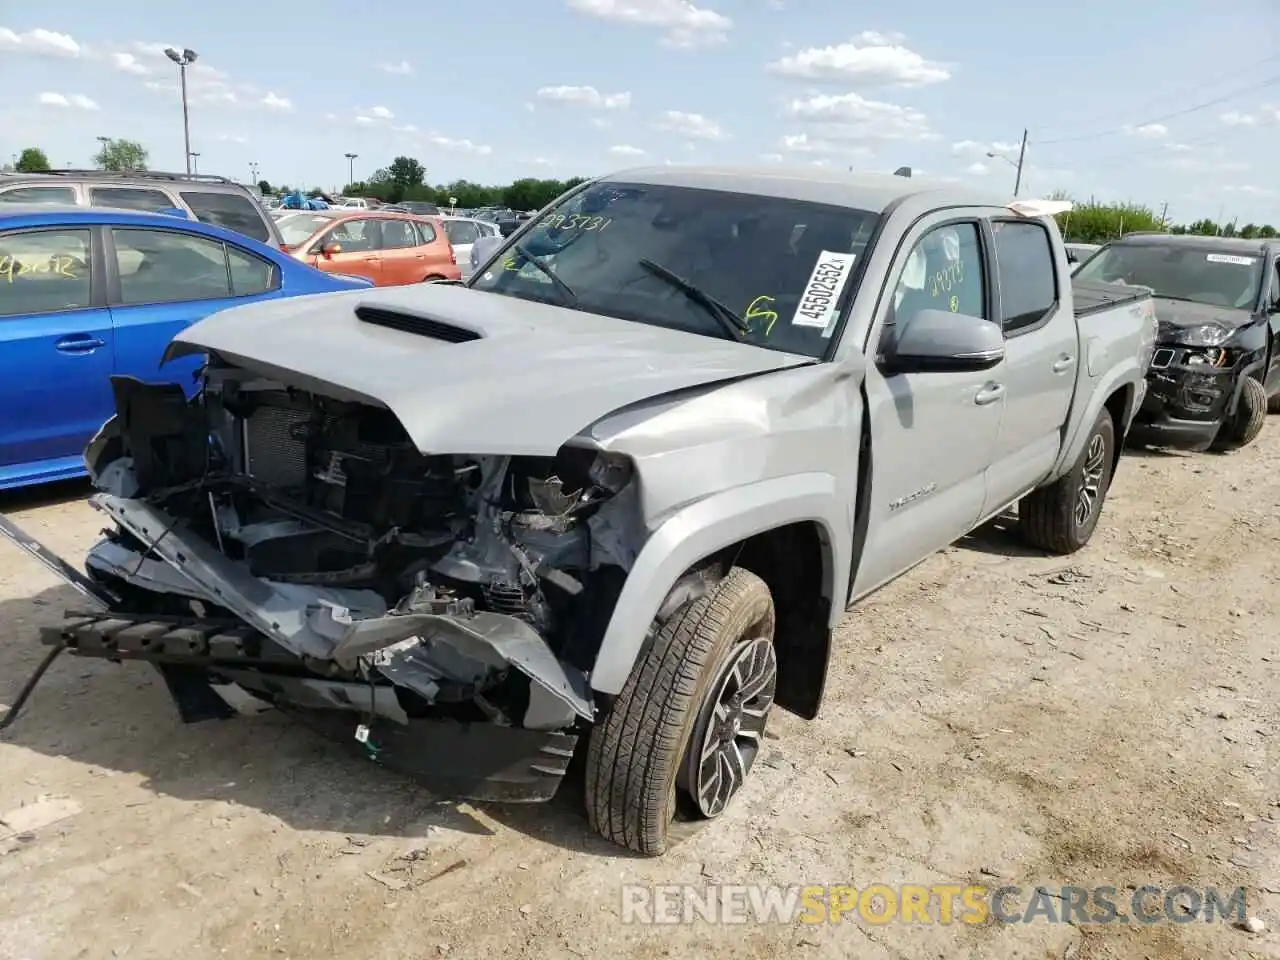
(1174, 93)
(1168, 116)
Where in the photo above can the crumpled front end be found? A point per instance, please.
(1192, 386)
(275, 547)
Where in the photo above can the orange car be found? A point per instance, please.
(388, 248)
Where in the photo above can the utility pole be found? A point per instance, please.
(1164, 218)
(184, 60)
(1022, 156)
(351, 167)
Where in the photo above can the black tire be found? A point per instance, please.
(1273, 404)
(1054, 518)
(640, 757)
(1243, 426)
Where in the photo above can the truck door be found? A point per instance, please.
(933, 433)
(1042, 357)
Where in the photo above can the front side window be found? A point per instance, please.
(1028, 276)
(1181, 271)
(39, 195)
(783, 268)
(162, 266)
(131, 198)
(943, 272)
(297, 228)
(44, 271)
(228, 210)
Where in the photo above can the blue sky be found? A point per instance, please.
(1175, 101)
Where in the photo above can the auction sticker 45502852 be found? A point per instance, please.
(817, 307)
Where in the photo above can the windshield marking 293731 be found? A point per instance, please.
(821, 294)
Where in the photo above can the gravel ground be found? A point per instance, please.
(994, 716)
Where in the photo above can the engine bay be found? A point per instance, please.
(434, 572)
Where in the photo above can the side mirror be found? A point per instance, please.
(484, 248)
(936, 341)
(508, 227)
(331, 249)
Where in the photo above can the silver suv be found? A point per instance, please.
(211, 199)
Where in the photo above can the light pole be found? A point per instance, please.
(1022, 156)
(351, 167)
(104, 141)
(195, 163)
(184, 60)
(253, 171)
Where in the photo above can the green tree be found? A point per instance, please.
(406, 172)
(32, 160)
(1266, 232)
(265, 187)
(1099, 222)
(121, 155)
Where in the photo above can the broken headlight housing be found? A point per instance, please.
(1207, 335)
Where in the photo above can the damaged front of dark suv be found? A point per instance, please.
(280, 546)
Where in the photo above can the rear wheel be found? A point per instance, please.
(686, 729)
(433, 278)
(1244, 425)
(1061, 517)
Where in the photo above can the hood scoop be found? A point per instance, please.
(418, 324)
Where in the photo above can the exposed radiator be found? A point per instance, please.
(271, 453)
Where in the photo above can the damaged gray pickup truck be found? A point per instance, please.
(621, 486)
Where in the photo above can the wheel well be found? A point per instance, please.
(1118, 406)
(794, 560)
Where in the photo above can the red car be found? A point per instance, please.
(387, 248)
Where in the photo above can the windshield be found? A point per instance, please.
(781, 268)
(1180, 272)
(298, 228)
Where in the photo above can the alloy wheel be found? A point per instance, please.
(1090, 491)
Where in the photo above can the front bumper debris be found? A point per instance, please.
(1188, 397)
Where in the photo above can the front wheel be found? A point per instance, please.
(1244, 425)
(1061, 517)
(690, 721)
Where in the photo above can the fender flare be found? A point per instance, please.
(1125, 375)
(1238, 387)
(699, 530)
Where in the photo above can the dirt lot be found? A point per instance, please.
(990, 718)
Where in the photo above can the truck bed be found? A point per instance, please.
(1093, 296)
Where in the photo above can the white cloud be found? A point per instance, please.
(600, 123)
(975, 148)
(977, 169)
(381, 113)
(539, 162)
(848, 116)
(771, 157)
(1234, 118)
(804, 143)
(1251, 190)
(622, 150)
(403, 68)
(586, 97)
(405, 128)
(870, 59)
(280, 104)
(690, 125)
(39, 41)
(1148, 131)
(364, 121)
(683, 24)
(231, 138)
(461, 146)
(128, 63)
(64, 101)
(206, 85)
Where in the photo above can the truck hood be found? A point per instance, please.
(526, 378)
(1175, 316)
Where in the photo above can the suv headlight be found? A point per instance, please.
(1209, 335)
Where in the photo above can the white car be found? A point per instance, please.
(463, 232)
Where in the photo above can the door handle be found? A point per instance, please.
(1063, 363)
(79, 343)
(989, 394)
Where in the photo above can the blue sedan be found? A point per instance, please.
(87, 293)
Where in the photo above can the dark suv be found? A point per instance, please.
(210, 199)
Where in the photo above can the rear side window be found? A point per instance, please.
(228, 210)
(398, 234)
(1028, 280)
(250, 274)
(131, 198)
(461, 231)
(39, 195)
(162, 266)
(426, 233)
(44, 271)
